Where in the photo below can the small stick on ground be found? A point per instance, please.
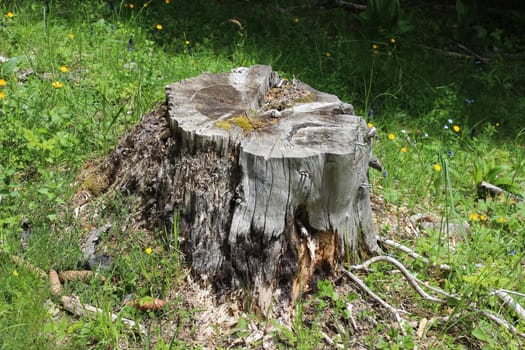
(510, 302)
(412, 253)
(377, 298)
(72, 304)
(408, 276)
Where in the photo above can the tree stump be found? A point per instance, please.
(269, 177)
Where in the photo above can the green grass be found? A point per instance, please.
(79, 76)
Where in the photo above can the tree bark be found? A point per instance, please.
(269, 178)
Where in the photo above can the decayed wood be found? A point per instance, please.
(269, 178)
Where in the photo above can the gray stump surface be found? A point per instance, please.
(269, 177)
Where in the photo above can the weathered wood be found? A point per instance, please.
(269, 178)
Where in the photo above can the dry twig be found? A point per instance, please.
(377, 298)
(72, 304)
(408, 276)
(510, 302)
(412, 253)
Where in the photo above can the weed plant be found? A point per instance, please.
(75, 76)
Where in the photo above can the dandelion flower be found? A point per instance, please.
(187, 42)
(57, 84)
(391, 136)
(375, 46)
(2, 95)
(328, 54)
(393, 40)
(71, 36)
(131, 6)
(456, 128)
(404, 149)
(166, 1)
(10, 14)
(64, 69)
(296, 20)
(15, 273)
(370, 125)
(148, 250)
(159, 27)
(502, 220)
(3, 83)
(483, 217)
(474, 216)
(437, 167)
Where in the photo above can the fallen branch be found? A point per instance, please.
(73, 305)
(350, 6)
(412, 253)
(496, 319)
(408, 276)
(495, 190)
(377, 298)
(510, 302)
(471, 52)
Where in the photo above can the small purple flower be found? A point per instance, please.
(513, 252)
(450, 153)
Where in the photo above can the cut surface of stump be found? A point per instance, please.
(269, 178)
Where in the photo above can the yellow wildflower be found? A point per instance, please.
(131, 6)
(393, 40)
(71, 35)
(10, 14)
(370, 125)
(502, 220)
(15, 273)
(187, 42)
(437, 167)
(376, 52)
(404, 149)
(166, 1)
(159, 27)
(57, 84)
(2, 95)
(375, 46)
(483, 217)
(3, 83)
(328, 54)
(149, 250)
(64, 69)
(474, 216)
(391, 136)
(456, 128)
(296, 20)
